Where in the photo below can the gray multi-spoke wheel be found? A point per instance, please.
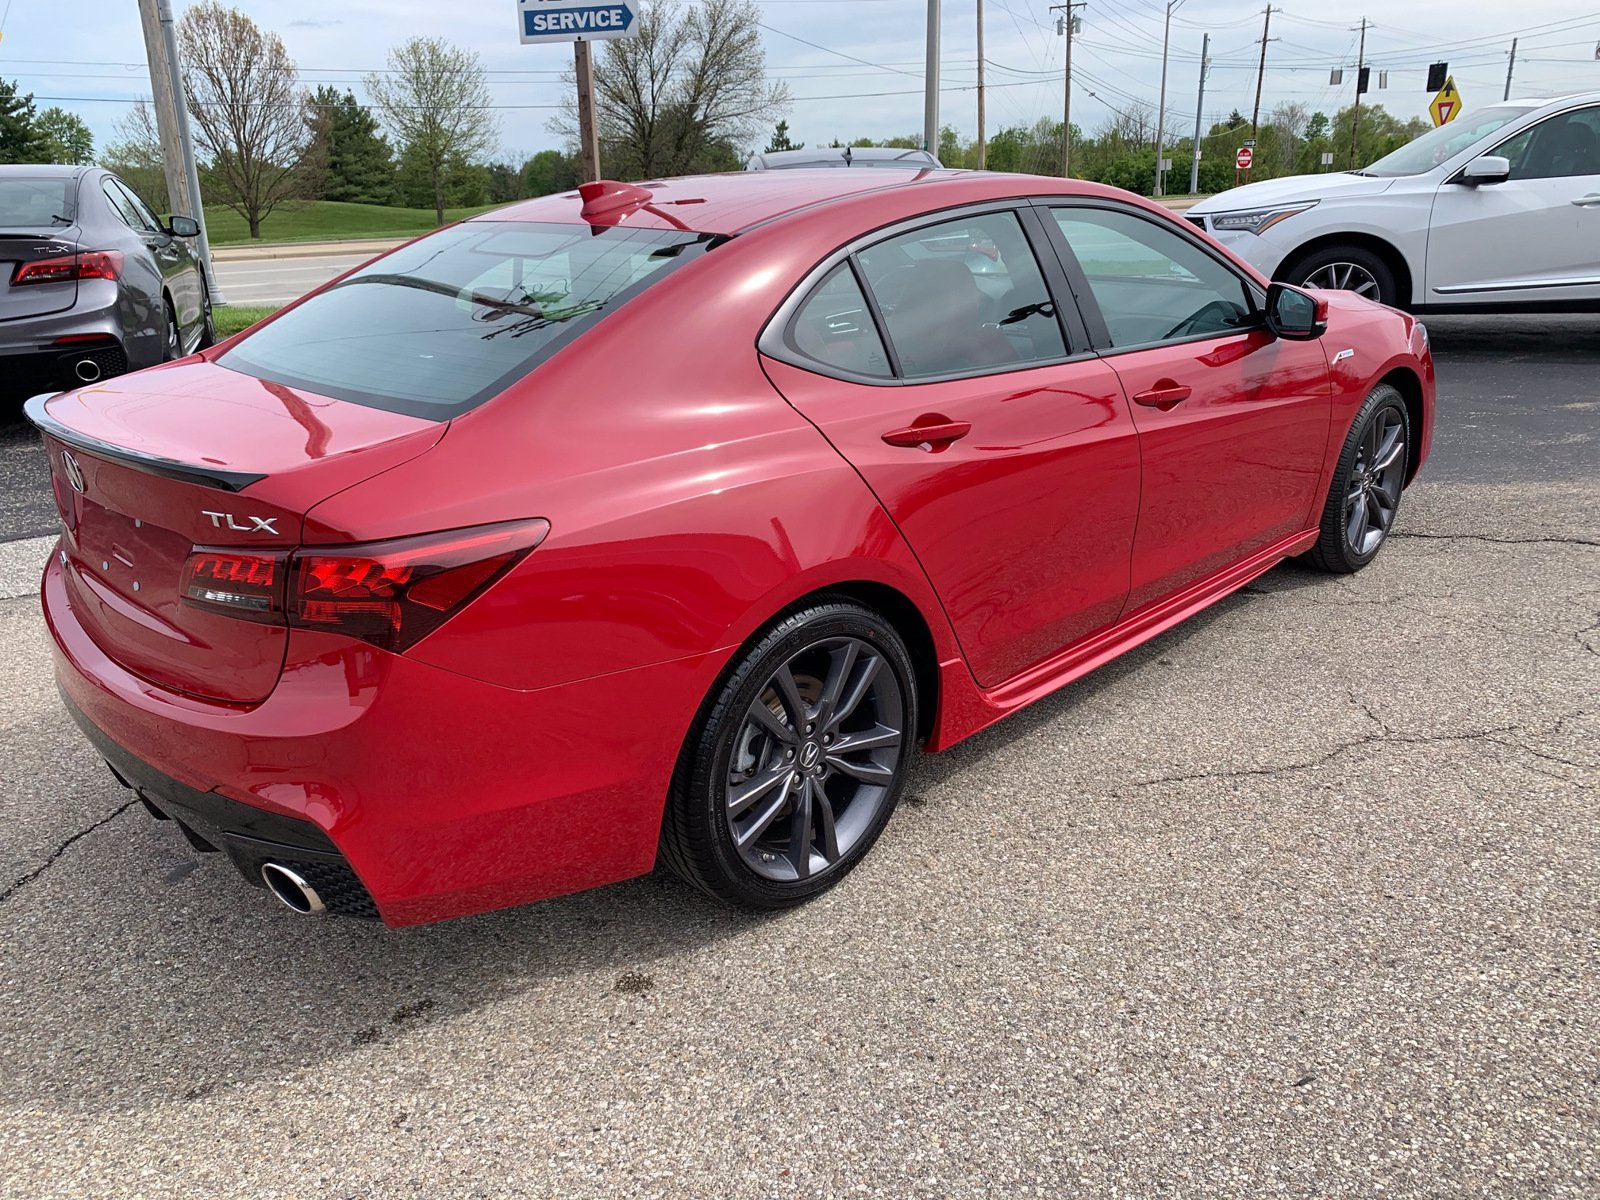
(794, 770)
(1365, 493)
(1347, 268)
(172, 345)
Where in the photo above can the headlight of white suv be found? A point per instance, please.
(1256, 220)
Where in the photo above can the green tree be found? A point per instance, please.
(549, 171)
(780, 140)
(356, 161)
(1379, 132)
(63, 137)
(19, 138)
(505, 183)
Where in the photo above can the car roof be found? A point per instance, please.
(732, 203)
(790, 158)
(45, 170)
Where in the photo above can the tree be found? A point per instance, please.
(249, 116)
(435, 100)
(19, 139)
(780, 140)
(505, 183)
(63, 137)
(135, 155)
(356, 161)
(687, 94)
(549, 171)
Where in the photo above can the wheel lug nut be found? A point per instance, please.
(810, 727)
(796, 778)
(827, 739)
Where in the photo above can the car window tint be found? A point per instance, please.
(35, 203)
(120, 204)
(1153, 284)
(439, 326)
(141, 210)
(1562, 147)
(963, 296)
(834, 327)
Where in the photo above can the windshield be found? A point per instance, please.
(439, 326)
(35, 203)
(1447, 141)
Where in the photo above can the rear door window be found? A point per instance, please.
(438, 327)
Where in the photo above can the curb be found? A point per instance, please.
(270, 250)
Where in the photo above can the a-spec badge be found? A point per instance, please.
(71, 469)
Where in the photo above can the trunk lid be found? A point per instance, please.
(150, 466)
(20, 247)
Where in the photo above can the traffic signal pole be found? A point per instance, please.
(1199, 105)
(930, 83)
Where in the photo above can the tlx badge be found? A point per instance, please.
(257, 524)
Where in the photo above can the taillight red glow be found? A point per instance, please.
(391, 594)
(86, 264)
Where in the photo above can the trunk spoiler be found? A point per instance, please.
(151, 464)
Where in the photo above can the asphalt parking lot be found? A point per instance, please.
(1301, 899)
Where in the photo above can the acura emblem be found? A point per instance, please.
(74, 472)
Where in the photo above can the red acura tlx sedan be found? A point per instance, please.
(665, 521)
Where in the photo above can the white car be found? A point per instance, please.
(1497, 211)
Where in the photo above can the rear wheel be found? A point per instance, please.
(1346, 268)
(208, 323)
(1364, 497)
(173, 347)
(798, 761)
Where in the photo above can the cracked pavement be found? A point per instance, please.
(1300, 899)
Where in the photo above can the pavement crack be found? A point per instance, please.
(1500, 541)
(13, 888)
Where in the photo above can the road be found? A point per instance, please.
(1296, 900)
(276, 281)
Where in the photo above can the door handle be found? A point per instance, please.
(1590, 201)
(1165, 395)
(930, 433)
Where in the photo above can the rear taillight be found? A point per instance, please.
(87, 264)
(391, 594)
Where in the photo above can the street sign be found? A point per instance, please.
(1446, 106)
(1244, 158)
(542, 21)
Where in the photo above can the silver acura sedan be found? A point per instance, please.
(92, 282)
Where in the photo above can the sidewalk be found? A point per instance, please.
(264, 250)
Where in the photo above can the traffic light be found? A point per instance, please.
(1437, 74)
(1361, 83)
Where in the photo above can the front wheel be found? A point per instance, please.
(1364, 496)
(798, 761)
(1348, 269)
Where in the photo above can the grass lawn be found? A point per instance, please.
(326, 221)
(230, 319)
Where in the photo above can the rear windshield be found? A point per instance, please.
(438, 327)
(35, 203)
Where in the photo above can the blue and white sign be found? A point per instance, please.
(576, 20)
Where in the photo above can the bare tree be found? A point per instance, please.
(1287, 121)
(135, 154)
(249, 115)
(689, 93)
(435, 100)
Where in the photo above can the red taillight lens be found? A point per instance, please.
(87, 264)
(391, 594)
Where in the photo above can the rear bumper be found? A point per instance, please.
(444, 794)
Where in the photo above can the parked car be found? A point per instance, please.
(844, 156)
(1497, 211)
(92, 283)
(670, 520)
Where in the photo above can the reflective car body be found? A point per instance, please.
(681, 467)
(826, 157)
(88, 278)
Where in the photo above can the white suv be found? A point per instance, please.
(1497, 211)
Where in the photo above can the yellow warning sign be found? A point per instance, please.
(1446, 106)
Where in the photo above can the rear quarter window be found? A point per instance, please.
(438, 327)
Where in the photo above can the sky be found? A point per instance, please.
(855, 67)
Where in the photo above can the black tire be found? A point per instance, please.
(735, 751)
(1357, 481)
(1346, 267)
(208, 327)
(171, 334)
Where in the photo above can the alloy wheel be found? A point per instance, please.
(1373, 492)
(815, 760)
(1345, 277)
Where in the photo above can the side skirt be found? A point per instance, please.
(965, 709)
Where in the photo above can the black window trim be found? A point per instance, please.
(776, 337)
(1100, 333)
(1460, 175)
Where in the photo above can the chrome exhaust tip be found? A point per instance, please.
(86, 369)
(294, 891)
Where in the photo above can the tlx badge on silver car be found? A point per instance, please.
(226, 521)
(73, 472)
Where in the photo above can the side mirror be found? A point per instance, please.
(1489, 168)
(184, 227)
(1295, 315)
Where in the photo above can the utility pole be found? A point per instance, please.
(983, 146)
(1064, 24)
(588, 131)
(172, 125)
(1355, 117)
(1261, 74)
(1510, 67)
(1199, 104)
(1161, 109)
(930, 83)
